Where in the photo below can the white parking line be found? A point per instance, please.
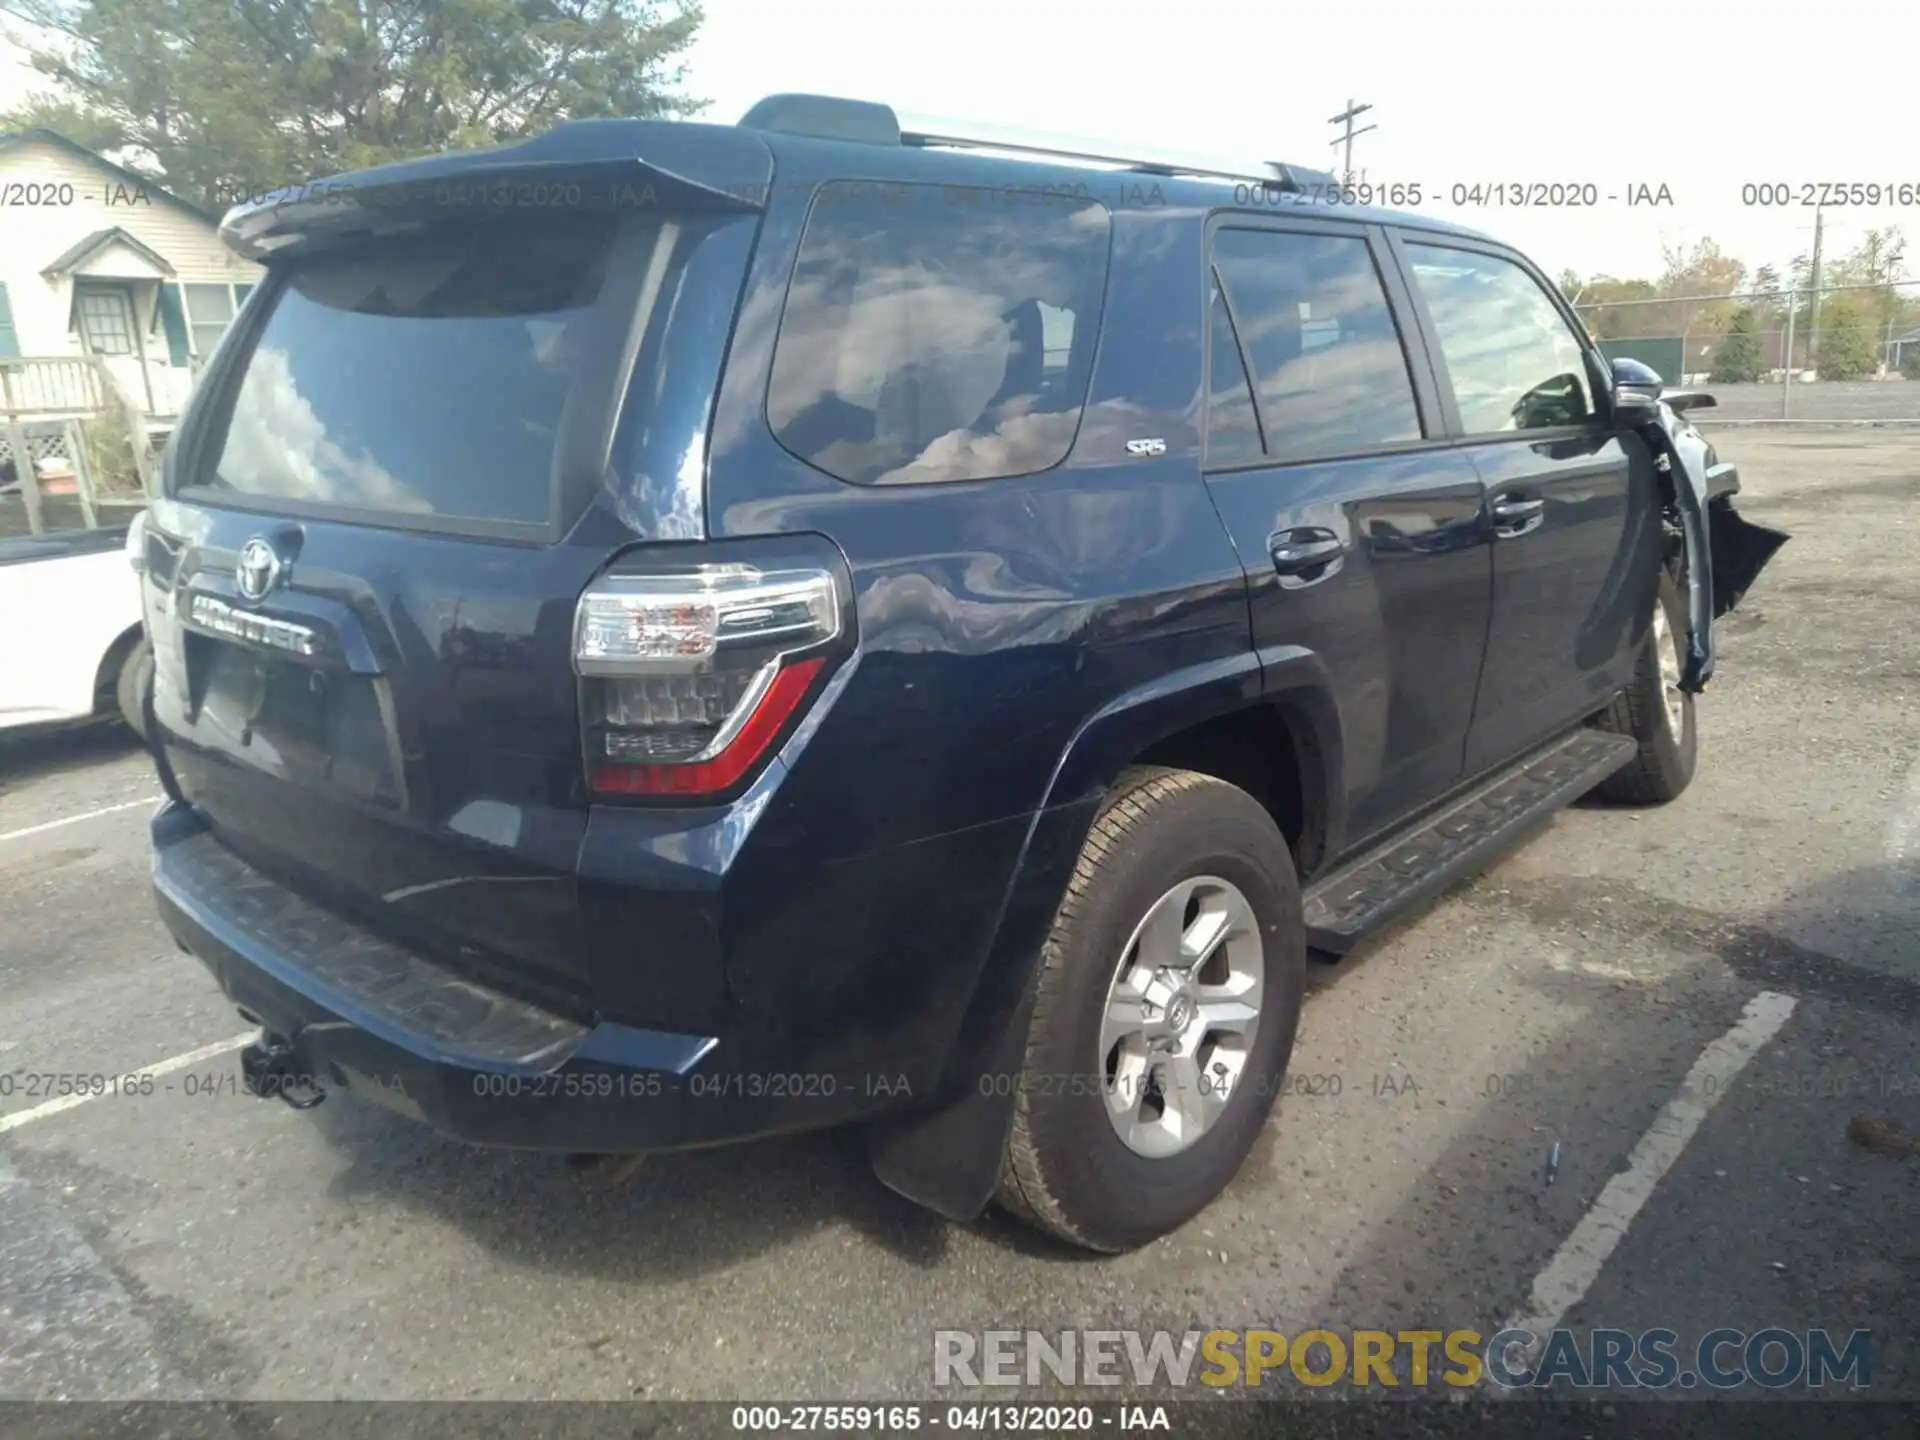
(76, 819)
(1577, 1263)
(165, 1067)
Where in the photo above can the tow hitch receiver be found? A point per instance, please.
(268, 1067)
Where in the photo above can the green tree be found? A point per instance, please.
(1602, 306)
(1738, 359)
(1769, 301)
(1845, 348)
(1878, 260)
(1910, 360)
(1695, 278)
(217, 95)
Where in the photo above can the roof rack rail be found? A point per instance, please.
(1154, 160)
(832, 118)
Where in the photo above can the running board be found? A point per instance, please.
(1418, 864)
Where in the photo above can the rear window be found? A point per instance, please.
(427, 376)
(935, 333)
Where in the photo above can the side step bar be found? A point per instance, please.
(1342, 907)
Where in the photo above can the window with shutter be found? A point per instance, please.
(173, 320)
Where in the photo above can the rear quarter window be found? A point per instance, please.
(934, 334)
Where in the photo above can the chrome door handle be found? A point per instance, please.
(1514, 517)
(1506, 510)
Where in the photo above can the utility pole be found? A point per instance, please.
(1345, 142)
(1895, 257)
(1813, 280)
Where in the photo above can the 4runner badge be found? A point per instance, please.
(210, 612)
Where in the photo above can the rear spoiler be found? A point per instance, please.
(605, 166)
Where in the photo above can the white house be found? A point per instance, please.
(96, 260)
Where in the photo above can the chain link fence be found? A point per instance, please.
(1840, 354)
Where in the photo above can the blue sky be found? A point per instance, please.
(1701, 97)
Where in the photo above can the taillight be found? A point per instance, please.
(689, 677)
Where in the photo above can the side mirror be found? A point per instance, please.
(1559, 401)
(1634, 406)
(1631, 374)
(1682, 401)
(1636, 391)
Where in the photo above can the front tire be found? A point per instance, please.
(1654, 712)
(1168, 995)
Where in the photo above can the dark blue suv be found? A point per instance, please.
(670, 633)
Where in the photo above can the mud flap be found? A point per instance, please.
(948, 1159)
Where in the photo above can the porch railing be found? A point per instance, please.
(52, 387)
(45, 404)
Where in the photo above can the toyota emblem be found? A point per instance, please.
(258, 570)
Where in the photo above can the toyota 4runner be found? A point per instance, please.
(671, 633)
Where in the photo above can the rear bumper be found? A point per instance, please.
(361, 1015)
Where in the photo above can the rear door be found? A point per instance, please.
(1361, 532)
(379, 517)
(1572, 504)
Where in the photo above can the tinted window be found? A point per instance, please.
(1328, 365)
(929, 336)
(1233, 432)
(427, 376)
(1514, 362)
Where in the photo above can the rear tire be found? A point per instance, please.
(1207, 861)
(135, 682)
(1654, 713)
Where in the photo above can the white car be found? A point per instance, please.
(71, 642)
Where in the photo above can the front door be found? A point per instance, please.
(1572, 505)
(109, 327)
(1359, 530)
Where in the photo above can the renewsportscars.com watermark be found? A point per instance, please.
(1774, 1358)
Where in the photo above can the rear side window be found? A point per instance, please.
(1329, 370)
(935, 334)
(1514, 361)
(426, 376)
